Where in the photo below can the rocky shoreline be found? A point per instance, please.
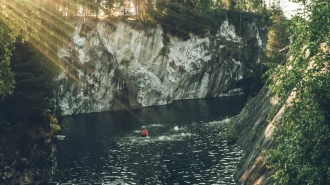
(25, 158)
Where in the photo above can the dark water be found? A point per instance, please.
(184, 146)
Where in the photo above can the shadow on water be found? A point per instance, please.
(183, 147)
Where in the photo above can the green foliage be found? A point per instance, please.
(230, 4)
(278, 38)
(244, 5)
(182, 18)
(17, 18)
(6, 76)
(229, 135)
(34, 86)
(303, 135)
(32, 20)
(36, 29)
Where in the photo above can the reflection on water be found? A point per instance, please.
(183, 146)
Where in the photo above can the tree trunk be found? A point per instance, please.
(97, 9)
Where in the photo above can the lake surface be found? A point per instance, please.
(184, 146)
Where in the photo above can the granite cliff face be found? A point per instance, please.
(121, 65)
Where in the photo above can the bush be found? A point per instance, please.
(229, 135)
(55, 128)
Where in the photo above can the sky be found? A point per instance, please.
(288, 7)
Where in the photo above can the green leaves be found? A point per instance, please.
(303, 134)
(180, 18)
(17, 18)
(37, 31)
(37, 21)
(34, 86)
(6, 80)
(6, 48)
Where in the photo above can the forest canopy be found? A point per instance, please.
(29, 42)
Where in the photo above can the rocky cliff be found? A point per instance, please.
(254, 126)
(128, 65)
(25, 157)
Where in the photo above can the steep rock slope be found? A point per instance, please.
(255, 128)
(118, 66)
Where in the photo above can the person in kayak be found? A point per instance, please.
(144, 132)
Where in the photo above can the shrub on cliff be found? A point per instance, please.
(229, 134)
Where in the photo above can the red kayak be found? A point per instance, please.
(144, 133)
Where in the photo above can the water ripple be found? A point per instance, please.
(177, 152)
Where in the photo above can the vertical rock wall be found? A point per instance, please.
(117, 66)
